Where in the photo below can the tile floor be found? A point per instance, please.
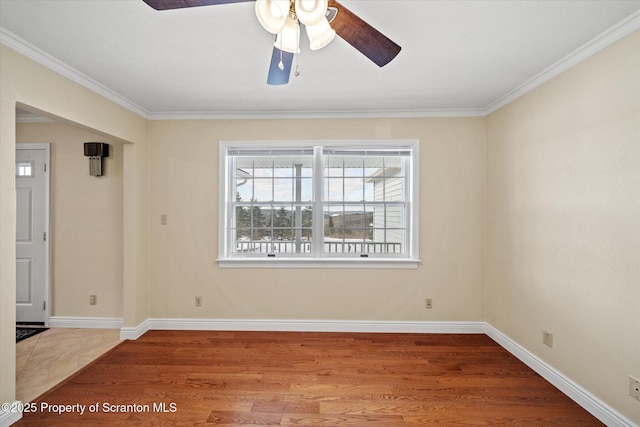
(46, 359)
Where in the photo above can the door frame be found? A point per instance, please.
(47, 223)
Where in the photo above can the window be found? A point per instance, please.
(319, 204)
(24, 169)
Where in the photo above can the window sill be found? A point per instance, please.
(364, 263)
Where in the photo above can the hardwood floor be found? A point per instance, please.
(307, 379)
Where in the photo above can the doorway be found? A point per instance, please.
(32, 233)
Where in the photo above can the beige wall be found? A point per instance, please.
(563, 222)
(86, 221)
(184, 177)
(25, 83)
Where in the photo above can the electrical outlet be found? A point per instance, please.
(547, 339)
(93, 300)
(634, 387)
(198, 301)
(428, 303)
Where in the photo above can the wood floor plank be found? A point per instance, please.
(289, 405)
(219, 378)
(342, 420)
(227, 418)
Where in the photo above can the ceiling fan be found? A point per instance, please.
(323, 19)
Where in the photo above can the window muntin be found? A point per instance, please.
(320, 201)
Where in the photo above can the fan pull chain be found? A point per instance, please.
(297, 71)
(280, 64)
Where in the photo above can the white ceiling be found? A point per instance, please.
(457, 58)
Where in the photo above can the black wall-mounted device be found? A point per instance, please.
(96, 151)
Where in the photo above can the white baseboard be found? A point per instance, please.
(8, 418)
(582, 397)
(134, 332)
(307, 326)
(85, 322)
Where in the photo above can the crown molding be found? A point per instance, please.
(38, 55)
(603, 40)
(333, 114)
(621, 29)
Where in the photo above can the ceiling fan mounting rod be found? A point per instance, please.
(292, 10)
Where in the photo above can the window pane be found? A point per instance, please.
(347, 228)
(353, 190)
(333, 221)
(375, 226)
(389, 228)
(393, 166)
(24, 169)
(283, 189)
(333, 189)
(258, 218)
(394, 217)
(262, 190)
(373, 163)
(306, 190)
(243, 218)
(243, 240)
(243, 190)
(355, 168)
(268, 218)
(334, 166)
(393, 189)
(369, 190)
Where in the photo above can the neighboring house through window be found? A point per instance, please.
(319, 204)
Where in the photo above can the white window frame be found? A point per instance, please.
(226, 259)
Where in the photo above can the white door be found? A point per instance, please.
(32, 182)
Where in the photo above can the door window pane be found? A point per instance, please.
(24, 169)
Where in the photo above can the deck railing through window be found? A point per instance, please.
(287, 246)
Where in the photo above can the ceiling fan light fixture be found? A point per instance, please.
(311, 12)
(272, 14)
(320, 34)
(288, 39)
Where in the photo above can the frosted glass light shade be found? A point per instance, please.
(310, 12)
(289, 39)
(272, 14)
(320, 34)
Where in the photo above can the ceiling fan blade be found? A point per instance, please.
(371, 42)
(276, 75)
(179, 4)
